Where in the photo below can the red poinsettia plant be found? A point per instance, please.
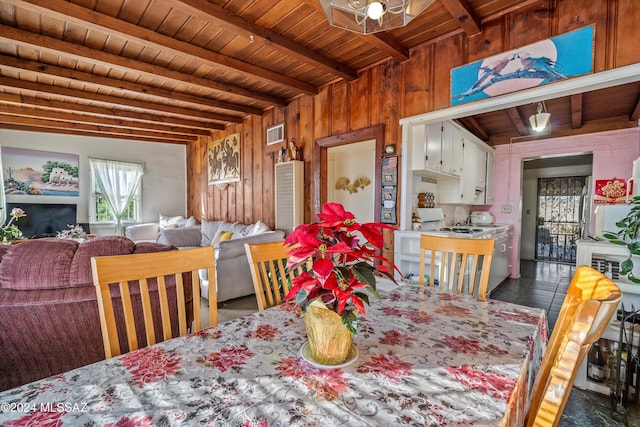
(343, 257)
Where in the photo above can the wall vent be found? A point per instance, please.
(608, 267)
(289, 193)
(275, 134)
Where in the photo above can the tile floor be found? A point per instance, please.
(544, 285)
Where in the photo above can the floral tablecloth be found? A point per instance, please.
(425, 358)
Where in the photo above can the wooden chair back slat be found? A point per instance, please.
(146, 311)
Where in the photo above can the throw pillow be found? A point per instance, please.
(240, 230)
(259, 228)
(191, 221)
(221, 235)
(166, 220)
(209, 230)
(180, 237)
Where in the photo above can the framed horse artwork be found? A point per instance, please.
(223, 158)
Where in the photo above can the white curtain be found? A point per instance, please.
(118, 182)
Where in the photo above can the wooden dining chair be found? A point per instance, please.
(591, 301)
(271, 278)
(458, 264)
(148, 280)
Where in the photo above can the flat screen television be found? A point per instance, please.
(43, 219)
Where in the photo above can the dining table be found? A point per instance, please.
(421, 356)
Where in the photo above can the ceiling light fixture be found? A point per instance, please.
(540, 120)
(372, 16)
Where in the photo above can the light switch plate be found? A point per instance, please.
(506, 208)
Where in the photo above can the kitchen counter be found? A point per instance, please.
(466, 231)
(407, 249)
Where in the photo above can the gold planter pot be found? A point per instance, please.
(329, 339)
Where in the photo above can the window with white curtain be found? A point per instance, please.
(98, 205)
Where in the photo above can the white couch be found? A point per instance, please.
(232, 268)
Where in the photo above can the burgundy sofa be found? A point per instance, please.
(48, 311)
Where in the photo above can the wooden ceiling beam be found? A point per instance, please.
(109, 112)
(236, 24)
(463, 12)
(97, 21)
(116, 100)
(499, 14)
(101, 134)
(84, 53)
(475, 127)
(53, 124)
(381, 41)
(115, 84)
(47, 114)
(514, 115)
(387, 44)
(576, 111)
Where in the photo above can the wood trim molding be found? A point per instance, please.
(319, 193)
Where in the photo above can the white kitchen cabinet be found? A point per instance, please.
(436, 148)
(446, 154)
(462, 190)
(489, 180)
(406, 254)
(481, 170)
(471, 194)
(426, 147)
(425, 153)
(501, 261)
(452, 149)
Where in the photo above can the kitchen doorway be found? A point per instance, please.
(559, 213)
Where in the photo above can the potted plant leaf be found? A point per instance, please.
(628, 234)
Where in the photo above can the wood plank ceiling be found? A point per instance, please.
(172, 70)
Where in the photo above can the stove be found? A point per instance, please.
(461, 231)
(493, 228)
(464, 230)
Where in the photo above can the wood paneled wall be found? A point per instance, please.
(389, 91)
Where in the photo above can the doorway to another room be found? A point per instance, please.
(351, 178)
(559, 216)
(555, 207)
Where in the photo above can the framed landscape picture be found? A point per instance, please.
(39, 173)
(223, 160)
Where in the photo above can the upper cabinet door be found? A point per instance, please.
(452, 149)
(426, 148)
(489, 192)
(481, 170)
(469, 167)
(434, 147)
(418, 145)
